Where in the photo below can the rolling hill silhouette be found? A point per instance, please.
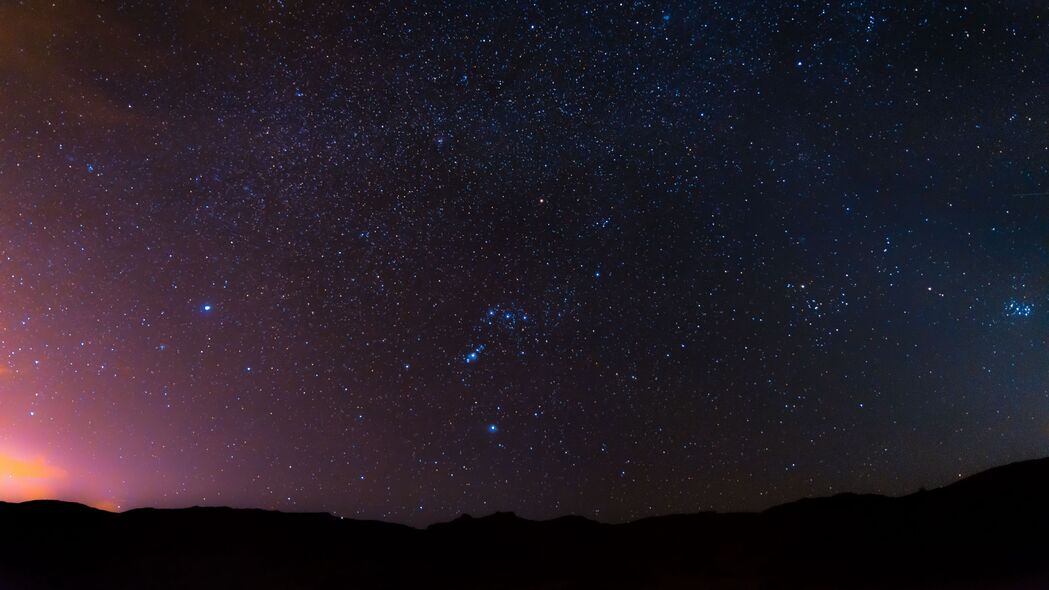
(990, 530)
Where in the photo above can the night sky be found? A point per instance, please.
(617, 260)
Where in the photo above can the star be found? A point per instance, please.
(474, 354)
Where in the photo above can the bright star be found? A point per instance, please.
(473, 355)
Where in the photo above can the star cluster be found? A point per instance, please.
(613, 259)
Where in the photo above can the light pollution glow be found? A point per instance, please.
(28, 479)
(32, 476)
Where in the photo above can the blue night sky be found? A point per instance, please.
(611, 259)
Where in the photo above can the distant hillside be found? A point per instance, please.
(990, 530)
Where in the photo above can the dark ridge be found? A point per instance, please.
(984, 531)
(1023, 479)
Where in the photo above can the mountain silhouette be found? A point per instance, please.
(990, 530)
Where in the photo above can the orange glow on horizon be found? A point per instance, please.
(106, 505)
(27, 479)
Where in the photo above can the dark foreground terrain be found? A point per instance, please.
(987, 531)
